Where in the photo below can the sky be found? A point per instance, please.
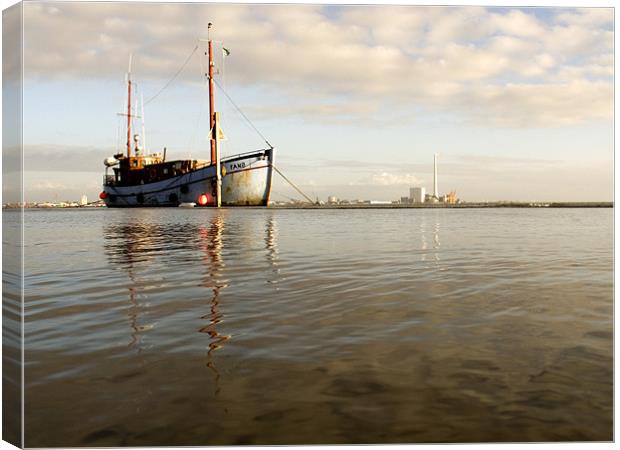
(356, 99)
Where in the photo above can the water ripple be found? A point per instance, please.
(345, 326)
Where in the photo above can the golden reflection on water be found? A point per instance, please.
(424, 245)
(436, 243)
(133, 316)
(271, 247)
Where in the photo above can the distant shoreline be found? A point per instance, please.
(457, 205)
(394, 206)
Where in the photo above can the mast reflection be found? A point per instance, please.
(211, 239)
(127, 246)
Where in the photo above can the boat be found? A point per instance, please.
(142, 179)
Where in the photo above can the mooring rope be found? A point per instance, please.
(291, 183)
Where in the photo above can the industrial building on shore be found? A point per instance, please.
(418, 194)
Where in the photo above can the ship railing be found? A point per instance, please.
(238, 155)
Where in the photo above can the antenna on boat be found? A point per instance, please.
(142, 116)
(129, 108)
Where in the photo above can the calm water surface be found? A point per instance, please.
(257, 326)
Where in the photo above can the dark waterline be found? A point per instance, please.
(260, 326)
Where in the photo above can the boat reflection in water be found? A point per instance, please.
(143, 251)
(170, 271)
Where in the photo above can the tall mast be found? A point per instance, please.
(216, 136)
(129, 109)
(211, 99)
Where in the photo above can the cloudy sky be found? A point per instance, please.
(518, 102)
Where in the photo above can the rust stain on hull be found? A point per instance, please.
(245, 188)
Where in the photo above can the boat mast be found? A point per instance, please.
(129, 109)
(211, 99)
(216, 137)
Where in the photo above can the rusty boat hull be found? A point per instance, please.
(246, 181)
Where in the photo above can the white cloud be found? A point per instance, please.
(554, 104)
(327, 111)
(391, 179)
(587, 17)
(504, 65)
(517, 23)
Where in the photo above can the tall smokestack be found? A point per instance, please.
(435, 191)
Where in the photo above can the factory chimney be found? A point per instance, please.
(435, 191)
